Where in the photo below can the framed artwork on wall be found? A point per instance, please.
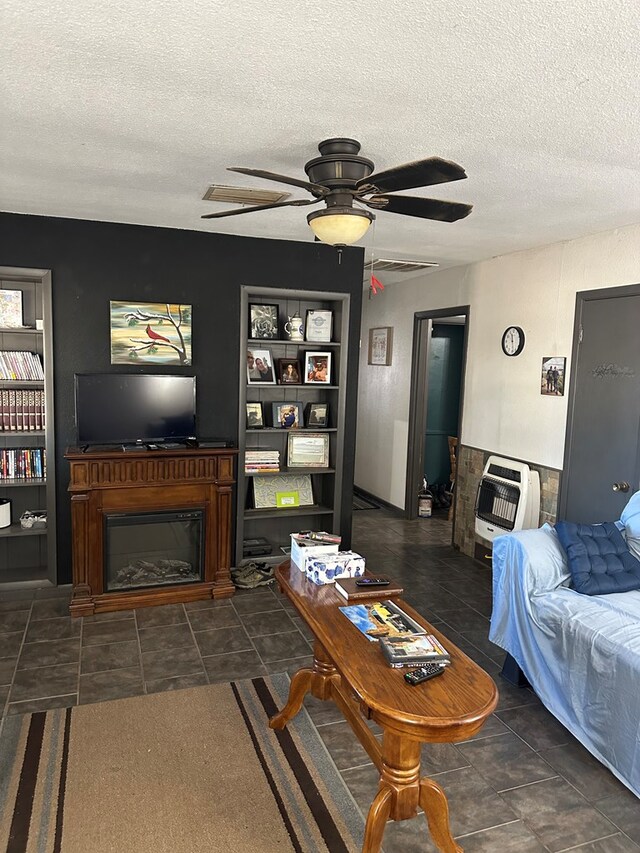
(263, 321)
(553, 373)
(380, 345)
(150, 333)
(260, 367)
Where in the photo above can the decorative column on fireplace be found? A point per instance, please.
(149, 527)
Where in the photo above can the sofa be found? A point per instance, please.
(580, 652)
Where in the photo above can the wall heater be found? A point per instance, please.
(508, 498)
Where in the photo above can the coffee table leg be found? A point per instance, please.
(434, 803)
(300, 686)
(376, 821)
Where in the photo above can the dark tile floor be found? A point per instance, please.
(523, 784)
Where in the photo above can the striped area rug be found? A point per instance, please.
(182, 772)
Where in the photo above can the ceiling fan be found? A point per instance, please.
(341, 179)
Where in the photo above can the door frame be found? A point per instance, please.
(422, 326)
(582, 297)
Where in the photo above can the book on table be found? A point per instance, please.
(347, 588)
(413, 651)
(381, 619)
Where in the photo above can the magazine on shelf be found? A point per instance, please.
(382, 619)
(413, 651)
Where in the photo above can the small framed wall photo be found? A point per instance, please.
(317, 368)
(317, 415)
(318, 326)
(255, 419)
(289, 371)
(553, 372)
(287, 415)
(263, 321)
(380, 345)
(260, 367)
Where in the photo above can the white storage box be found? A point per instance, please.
(327, 568)
(303, 550)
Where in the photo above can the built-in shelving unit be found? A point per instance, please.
(29, 554)
(273, 523)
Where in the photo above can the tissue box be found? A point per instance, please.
(326, 569)
(305, 550)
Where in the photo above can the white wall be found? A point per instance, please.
(504, 411)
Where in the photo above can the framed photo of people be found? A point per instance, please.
(260, 367)
(317, 368)
(263, 321)
(317, 415)
(289, 371)
(255, 419)
(553, 374)
(287, 415)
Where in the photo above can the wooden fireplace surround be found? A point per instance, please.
(113, 480)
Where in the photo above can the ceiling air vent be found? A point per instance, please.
(243, 195)
(397, 265)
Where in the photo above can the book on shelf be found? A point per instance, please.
(23, 463)
(261, 460)
(347, 587)
(413, 651)
(382, 619)
(18, 365)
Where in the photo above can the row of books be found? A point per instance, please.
(23, 463)
(261, 460)
(22, 410)
(20, 365)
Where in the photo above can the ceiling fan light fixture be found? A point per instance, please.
(340, 226)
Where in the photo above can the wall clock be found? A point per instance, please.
(513, 340)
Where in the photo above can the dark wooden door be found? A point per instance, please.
(603, 441)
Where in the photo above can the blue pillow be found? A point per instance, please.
(599, 560)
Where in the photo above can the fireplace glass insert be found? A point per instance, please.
(153, 549)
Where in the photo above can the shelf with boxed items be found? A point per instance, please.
(286, 386)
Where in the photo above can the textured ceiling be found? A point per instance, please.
(127, 111)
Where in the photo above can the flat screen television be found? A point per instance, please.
(117, 408)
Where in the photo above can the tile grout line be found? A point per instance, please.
(15, 669)
(140, 659)
(81, 637)
(195, 641)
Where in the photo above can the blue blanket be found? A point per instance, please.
(580, 653)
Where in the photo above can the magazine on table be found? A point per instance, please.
(382, 619)
(413, 651)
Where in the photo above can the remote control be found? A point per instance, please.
(429, 670)
(372, 582)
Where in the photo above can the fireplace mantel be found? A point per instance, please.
(104, 481)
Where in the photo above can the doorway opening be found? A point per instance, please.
(435, 412)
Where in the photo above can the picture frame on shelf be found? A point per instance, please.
(317, 415)
(380, 345)
(260, 367)
(287, 414)
(317, 368)
(289, 371)
(308, 450)
(282, 491)
(255, 416)
(10, 309)
(263, 321)
(318, 325)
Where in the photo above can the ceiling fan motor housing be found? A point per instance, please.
(339, 166)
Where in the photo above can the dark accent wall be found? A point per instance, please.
(95, 262)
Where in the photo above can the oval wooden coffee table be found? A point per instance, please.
(350, 670)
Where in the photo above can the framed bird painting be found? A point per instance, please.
(150, 333)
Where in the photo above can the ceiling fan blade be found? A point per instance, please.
(315, 189)
(419, 173)
(296, 202)
(425, 208)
